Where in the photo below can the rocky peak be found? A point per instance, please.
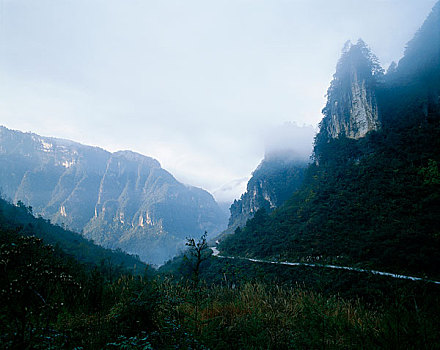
(351, 108)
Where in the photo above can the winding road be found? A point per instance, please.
(216, 253)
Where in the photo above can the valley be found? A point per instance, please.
(119, 200)
(337, 249)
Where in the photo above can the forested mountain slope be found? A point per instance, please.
(276, 178)
(372, 196)
(17, 220)
(120, 200)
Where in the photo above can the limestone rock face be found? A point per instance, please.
(351, 109)
(120, 200)
(363, 114)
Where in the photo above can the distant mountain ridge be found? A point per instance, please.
(120, 200)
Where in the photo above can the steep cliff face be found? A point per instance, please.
(362, 115)
(120, 200)
(351, 108)
(277, 177)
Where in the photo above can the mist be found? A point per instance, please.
(290, 140)
(205, 87)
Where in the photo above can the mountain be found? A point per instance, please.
(371, 198)
(421, 59)
(415, 82)
(351, 108)
(277, 177)
(288, 148)
(119, 200)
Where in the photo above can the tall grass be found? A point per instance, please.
(263, 316)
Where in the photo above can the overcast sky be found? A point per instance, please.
(202, 86)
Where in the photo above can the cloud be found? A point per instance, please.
(203, 86)
(297, 140)
(231, 190)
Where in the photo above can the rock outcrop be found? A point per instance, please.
(351, 108)
(276, 178)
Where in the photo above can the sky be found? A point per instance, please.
(203, 86)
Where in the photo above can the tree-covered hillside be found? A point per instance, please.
(19, 219)
(372, 201)
(277, 177)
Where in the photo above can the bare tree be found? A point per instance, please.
(197, 251)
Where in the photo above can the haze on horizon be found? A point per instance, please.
(202, 86)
